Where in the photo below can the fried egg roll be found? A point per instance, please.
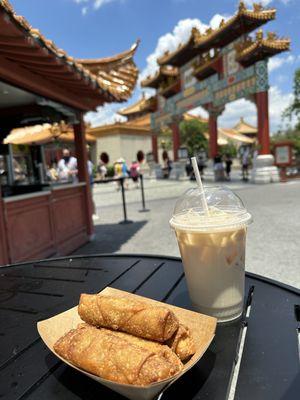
(131, 316)
(182, 343)
(113, 358)
(158, 348)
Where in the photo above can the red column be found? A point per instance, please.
(154, 147)
(4, 257)
(262, 103)
(83, 174)
(176, 139)
(213, 135)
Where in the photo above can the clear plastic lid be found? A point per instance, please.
(226, 210)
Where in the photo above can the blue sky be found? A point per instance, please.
(99, 28)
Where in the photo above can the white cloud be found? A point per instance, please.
(278, 62)
(106, 114)
(170, 41)
(95, 3)
(234, 111)
(278, 102)
(84, 10)
(100, 3)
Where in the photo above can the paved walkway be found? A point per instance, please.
(273, 238)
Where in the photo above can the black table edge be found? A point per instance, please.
(171, 258)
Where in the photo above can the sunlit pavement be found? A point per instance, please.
(273, 238)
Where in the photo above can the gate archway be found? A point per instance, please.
(215, 68)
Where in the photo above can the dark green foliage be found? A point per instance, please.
(294, 108)
(192, 135)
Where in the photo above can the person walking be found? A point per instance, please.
(67, 167)
(102, 165)
(245, 164)
(228, 164)
(135, 173)
(218, 168)
(201, 160)
(167, 164)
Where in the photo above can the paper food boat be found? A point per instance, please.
(201, 326)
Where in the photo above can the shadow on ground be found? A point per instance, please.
(109, 238)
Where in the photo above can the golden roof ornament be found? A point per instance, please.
(257, 7)
(222, 23)
(272, 36)
(196, 34)
(208, 31)
(259, 35)
(242, 7)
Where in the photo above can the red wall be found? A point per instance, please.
(51, 223)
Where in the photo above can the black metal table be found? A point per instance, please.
(30, 292)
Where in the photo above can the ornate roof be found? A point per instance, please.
(183, 53)
(128, 127)
(109, 79)
(224, 134)
(244, 127)
(244, 21)
(189, 117)
(141, 106)
(161, 74)
(233, 134)
(42, 134)
(118, 71)
(251, 50)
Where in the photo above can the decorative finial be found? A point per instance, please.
(271, 36)
(257, 7)
(242, 6)
(196, 34)
(259, 35)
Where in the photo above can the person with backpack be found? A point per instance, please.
(135, 173)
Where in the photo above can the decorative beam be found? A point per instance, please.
(21, 77)
(28, 59)
(16, 41)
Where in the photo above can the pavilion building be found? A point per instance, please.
(124, 139)
(40, 83)
(244, 128)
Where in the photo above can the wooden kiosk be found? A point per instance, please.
(40, 83)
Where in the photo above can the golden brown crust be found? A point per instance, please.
(113, 358)
(131, 316)
(182, 343)
(158, 348)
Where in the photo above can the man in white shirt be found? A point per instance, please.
(67, 167)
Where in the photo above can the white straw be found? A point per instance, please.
(199, 182)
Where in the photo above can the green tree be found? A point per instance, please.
(192, 135)
(229, 148)
(294, 107)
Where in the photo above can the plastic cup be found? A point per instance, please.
(212, 248)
